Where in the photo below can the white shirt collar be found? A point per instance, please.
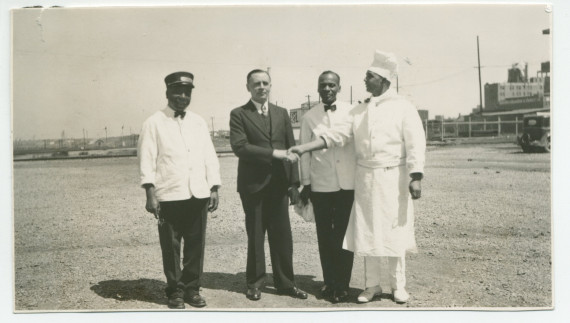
(383, 96)
(258, 106)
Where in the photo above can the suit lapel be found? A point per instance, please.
(250, 112)
(274, 118)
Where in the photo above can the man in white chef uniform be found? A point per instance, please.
(390, 148)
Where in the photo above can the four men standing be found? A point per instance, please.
(359, 185)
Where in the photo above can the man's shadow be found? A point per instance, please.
(152, 290)
(143, 289)
(237, 283)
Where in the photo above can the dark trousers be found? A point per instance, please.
(332, 211)
(183, 220)
(268, 210)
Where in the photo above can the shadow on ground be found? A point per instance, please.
(236, 283)
(152, 290)
(145, 290)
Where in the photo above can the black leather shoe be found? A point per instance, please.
(326, 292)
(253, 294)
(340, 296)
(176, 303)
(293, 292)
(196, 300)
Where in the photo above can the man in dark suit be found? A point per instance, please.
(260, 134)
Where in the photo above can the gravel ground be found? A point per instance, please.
(83, 241)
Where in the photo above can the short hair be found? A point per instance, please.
(331, 72)
(256, 71)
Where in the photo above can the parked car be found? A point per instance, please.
(536, 133)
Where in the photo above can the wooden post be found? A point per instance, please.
(469, 127)
(498, 125)
(484, 123)
(456, 129)
(517, 126)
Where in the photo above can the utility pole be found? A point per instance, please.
(309, 101)
(397, 84)
(479, 67)
(351, 94)
(212, 118)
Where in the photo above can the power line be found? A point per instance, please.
(437, 80)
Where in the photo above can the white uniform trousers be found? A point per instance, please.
(396, 271)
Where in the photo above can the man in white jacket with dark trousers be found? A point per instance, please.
(328, 181)
(180, 172)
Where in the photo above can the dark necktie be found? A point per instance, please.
(182, 114)
(330, 107)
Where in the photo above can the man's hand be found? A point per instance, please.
(293, 195)
(282, 154)
(152, 205)
(415, 189)
(292, 157)
(296, 150)
(214, 200)
(306, 194)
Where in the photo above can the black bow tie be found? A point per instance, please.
(330, 107)
(182, 114)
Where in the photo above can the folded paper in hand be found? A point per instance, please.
(305, 211)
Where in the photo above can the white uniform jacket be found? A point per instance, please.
(177, 156)
(387, 132)
(327, 170)
(390, 144)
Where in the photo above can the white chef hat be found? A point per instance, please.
(385, 65)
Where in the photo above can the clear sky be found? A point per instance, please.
(78, 68)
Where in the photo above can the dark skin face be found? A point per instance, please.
(375, 83)
(328, 88)
(179, 97)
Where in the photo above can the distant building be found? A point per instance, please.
(519, 92)
(297, 114)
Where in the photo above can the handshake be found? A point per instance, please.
(291, 155)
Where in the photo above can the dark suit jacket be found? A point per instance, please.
(254, 145)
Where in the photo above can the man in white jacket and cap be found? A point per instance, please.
(390, 148)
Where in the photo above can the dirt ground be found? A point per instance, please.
(83, 241)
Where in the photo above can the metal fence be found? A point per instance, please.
(440, 130)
